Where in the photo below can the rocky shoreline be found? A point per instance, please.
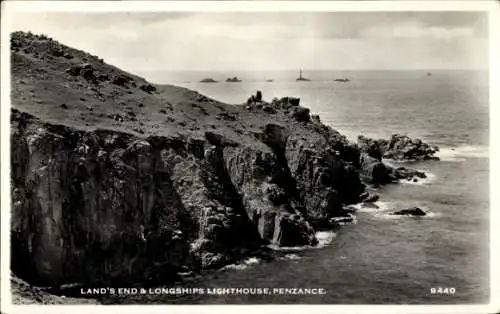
(116, 181)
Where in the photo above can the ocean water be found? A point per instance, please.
(382, 259)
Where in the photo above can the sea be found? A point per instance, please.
(442, 258)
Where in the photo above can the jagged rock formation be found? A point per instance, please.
(398, 147)
(117, 180)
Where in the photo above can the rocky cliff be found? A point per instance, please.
(117, 180)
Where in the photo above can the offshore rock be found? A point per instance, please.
(414, 211)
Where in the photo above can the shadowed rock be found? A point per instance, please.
(414, 211)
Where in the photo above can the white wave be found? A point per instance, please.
(430, 214)
(342, 221)
(430, 177)
(234, 267)
(251, 260)
(461, 153)
(291, 257)
(379, 206)
(242, 265)
(289, 248)
(324, 238)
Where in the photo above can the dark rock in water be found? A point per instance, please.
(233, 79)
(408, 174)
(208, 80)
(343, 80)
(414, 211)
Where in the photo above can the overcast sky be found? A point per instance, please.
(272, 41)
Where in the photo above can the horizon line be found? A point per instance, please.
(312, 70)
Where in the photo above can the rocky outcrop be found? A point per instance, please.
(398, 147)
(377, 172)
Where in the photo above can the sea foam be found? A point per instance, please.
(243, 265)
(324, 238)
(430, 177)
(380, 207)
(461, 153)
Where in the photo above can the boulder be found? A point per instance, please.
(414, 211)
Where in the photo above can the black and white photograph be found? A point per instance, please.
(247, 154)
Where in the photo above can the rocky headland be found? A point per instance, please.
(118, 181)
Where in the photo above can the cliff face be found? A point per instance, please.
(131, 182)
